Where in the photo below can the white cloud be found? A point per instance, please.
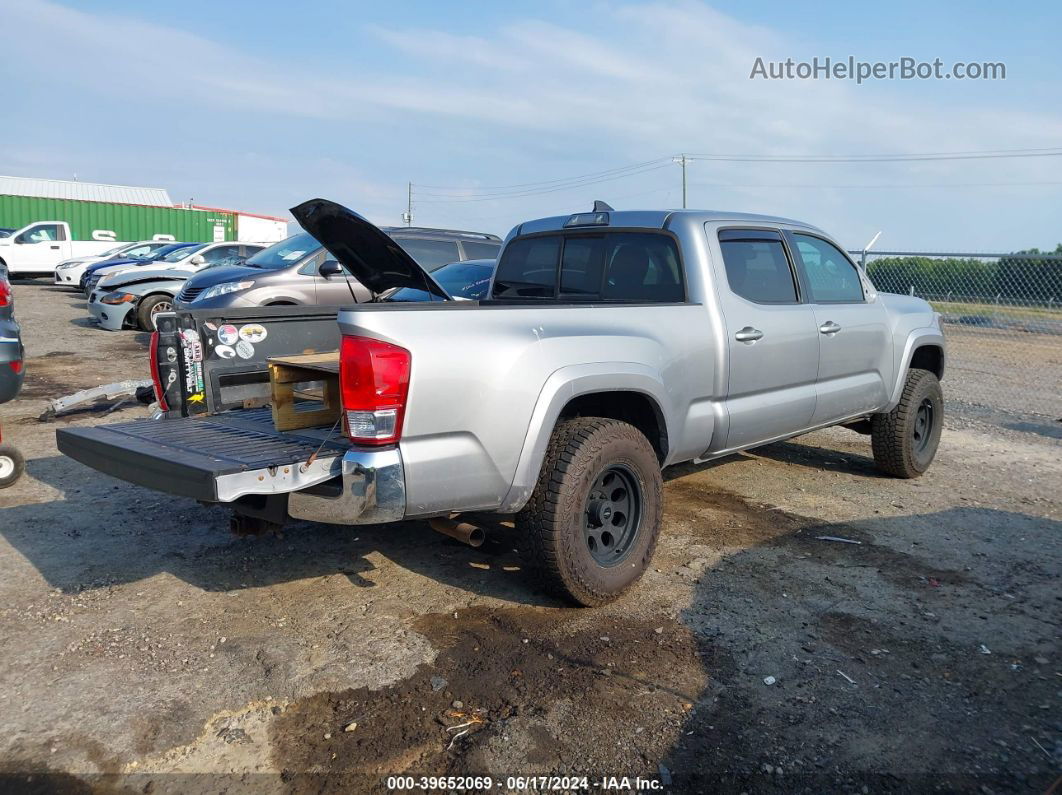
(645, 81)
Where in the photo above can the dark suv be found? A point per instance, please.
(298, 270)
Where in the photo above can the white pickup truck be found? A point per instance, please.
(38, 247)
(612, 344)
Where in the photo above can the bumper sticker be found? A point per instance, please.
(228, 334)
(253, 332)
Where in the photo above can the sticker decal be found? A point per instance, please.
(211, 326)
(225, 351)
(196, 398)
(193, 348)
(253, 332)
(228, 334)
(244, 349)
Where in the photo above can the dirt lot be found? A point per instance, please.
(145, 648)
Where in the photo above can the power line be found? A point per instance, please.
(875, 187)
(479, 188)
(990, 154)
(474, 197)
(455, 194)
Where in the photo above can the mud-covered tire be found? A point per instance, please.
(12, 465)
(145, 312)
(553, 524)
(905, 440)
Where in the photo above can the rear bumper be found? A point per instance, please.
(224, 457)
(372, 490)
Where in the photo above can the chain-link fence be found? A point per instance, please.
(1003, 316)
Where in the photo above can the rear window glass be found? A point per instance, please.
(480, 250)
(759, 271)
(286, 253)
(614, 266)
(528, 268)
(430, 254)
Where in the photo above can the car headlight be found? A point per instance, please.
(224, 289)
(118, 298)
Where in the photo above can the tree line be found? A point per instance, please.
(1027, 276)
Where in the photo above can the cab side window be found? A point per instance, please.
(43, 233)
(757, 267)
(832, 278)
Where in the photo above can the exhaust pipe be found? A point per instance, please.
(464, 532)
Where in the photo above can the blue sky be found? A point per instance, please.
(260, 105)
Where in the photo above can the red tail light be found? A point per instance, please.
(160, 392)
(5, 292)
(373, 382)
(16, 365)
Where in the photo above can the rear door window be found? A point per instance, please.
(430, 254)
(757, 267)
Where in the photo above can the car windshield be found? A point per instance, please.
(180, 253)
(460, 279)
(285, 253)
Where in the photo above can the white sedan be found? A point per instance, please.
(68, 273)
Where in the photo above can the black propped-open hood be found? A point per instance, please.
(371, 257)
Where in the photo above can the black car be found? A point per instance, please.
(11, 358)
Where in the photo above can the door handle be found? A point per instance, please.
(54, 247)
(748, 334)
(829, 327)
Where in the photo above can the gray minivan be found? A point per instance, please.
(298, 270)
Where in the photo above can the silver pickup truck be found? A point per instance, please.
(613, 344)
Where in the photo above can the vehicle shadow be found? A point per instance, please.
(104, 532)
(807, 455)
(841, 656)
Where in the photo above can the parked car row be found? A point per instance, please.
(128, 286)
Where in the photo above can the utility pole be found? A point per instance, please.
(407, 216)
(683, 160)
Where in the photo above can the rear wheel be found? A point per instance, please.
(592, 523)
(12, 465)
(151, 306)
(905, 440)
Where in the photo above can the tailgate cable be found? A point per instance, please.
(317, 452)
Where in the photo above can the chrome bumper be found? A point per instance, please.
(373, 491)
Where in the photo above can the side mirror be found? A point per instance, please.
(198, 259)
(330, 268)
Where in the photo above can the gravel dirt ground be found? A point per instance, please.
(145, 648)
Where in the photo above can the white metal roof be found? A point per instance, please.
(85, 191)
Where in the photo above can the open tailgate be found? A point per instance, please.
(213, 459)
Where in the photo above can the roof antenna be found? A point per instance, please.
(602, 207)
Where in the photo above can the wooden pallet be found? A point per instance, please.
(294, 407)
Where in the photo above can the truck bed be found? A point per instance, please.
(215, 458)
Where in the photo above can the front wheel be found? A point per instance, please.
(593, 520)
(905, 439)
(12, 465)
(151, 306)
